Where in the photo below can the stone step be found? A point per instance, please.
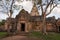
(23, 33)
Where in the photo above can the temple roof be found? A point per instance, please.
(26, 15)
(36, 18)
(23, 13)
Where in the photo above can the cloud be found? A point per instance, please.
(3, 16)
(28, 6)
(55, 12)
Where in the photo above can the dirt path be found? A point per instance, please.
(14, 38)
(19, 38)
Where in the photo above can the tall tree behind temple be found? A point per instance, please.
(6, 4)
(8, 7)
(51, 4)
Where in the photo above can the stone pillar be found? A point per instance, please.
(29, 27)
(6, 26)
(26, 27)
(58, 28)
(18, 27)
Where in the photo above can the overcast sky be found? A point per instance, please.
(28, 6)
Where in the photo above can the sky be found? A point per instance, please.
(28, 7)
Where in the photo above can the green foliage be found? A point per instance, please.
(2, 22)
(49, 36)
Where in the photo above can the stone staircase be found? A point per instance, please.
(23, 33)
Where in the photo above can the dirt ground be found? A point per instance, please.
(17, 37)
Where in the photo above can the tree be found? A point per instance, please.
(2, 22)
(51, 4)
(8, 7)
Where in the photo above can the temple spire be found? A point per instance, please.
(34, 11)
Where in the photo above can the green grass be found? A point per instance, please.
(3, 34)
(35, 34)
(50, 36)
(54, 36)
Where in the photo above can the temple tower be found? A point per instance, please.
(34, 11)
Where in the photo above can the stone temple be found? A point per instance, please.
(26, 22)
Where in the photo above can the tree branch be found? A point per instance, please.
(11, 12)
(40, 2)
(5, 12)
(41, 9)
(48, 5)
(51, 10)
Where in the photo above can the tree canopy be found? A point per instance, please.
(2, 22)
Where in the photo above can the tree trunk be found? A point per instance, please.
(44, 24)
(10, 21)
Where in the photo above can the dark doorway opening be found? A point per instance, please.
(22, 26)
(59, 28)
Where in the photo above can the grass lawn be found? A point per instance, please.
(50, 36)
(3, 34)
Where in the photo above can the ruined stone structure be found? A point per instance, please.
(27, 22)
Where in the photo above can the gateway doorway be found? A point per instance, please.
(59, 28)
(22, 26)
